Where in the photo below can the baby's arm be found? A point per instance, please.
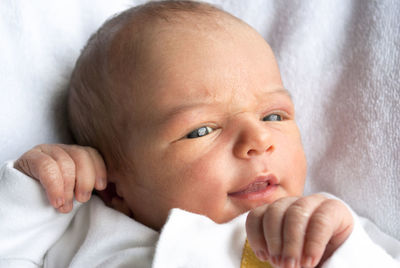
(64, 170)
(294, 232)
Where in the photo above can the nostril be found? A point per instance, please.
(270, 149)
(254, 152)
(253, 139)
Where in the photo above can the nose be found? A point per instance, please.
(253, 139)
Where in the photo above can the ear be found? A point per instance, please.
(119, 204)
(107, 194)
(113, 200)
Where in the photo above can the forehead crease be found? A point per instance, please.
(279, 90)
(232, 98)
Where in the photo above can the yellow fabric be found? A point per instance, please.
(249, 259)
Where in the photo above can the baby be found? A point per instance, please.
(186, 105)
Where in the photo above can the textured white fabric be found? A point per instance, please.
(339, 58)
(33, 234)
(341, 61)
(191, 240)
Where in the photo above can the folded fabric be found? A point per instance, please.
(33, 234)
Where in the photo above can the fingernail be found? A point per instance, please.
(66, 207)
(308, 262)
(275, 260)
(80, 196)
(83, 196)
(289, 263)
(59, 202)
(262, 255)
(103, 183)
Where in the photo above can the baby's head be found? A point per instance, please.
(186, 104)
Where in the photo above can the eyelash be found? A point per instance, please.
(275, 116)
(199, 132)
(205, 130)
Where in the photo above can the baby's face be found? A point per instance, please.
(214, 128)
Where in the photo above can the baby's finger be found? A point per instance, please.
(100, 169)
(273, 227)
(84, 173)
(68, 171)
(329, 223)
(67, 168)
(295, 226)
(45, 169)
(255, 232)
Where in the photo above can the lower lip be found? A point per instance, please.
(261, 193)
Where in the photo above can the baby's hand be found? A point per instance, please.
(298, 232)
(64, 170)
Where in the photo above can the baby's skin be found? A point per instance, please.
(288, 232)
(206, 126)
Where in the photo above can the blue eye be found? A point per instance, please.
(200, 132)
(273, 117)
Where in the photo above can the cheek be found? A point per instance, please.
(300, 171)
(293, 163)
(206, 173)
(203, 182)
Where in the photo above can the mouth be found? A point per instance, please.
(262, 187)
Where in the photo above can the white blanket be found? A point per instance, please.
(33, 234)
(339, 58)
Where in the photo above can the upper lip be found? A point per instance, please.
(271, 179)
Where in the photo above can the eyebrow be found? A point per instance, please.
(184, 108)
(282, 90)
(191, 106)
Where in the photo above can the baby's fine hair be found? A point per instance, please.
(98, 99)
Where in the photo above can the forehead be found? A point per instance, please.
(185, 63)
